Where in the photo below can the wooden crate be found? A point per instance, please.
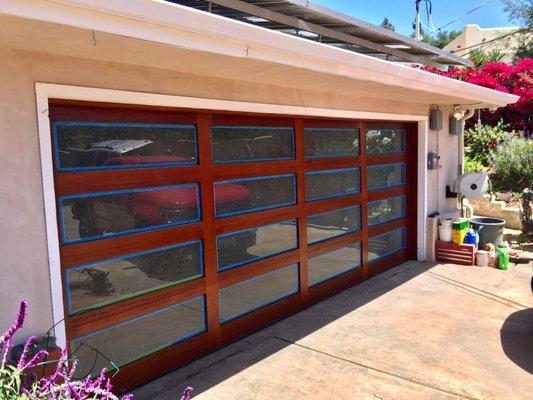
(463, 254)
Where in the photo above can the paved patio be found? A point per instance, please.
(419, 331)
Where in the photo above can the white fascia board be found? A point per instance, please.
(163, 22)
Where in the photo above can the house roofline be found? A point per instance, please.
(159, 21)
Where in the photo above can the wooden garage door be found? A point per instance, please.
(181, 231)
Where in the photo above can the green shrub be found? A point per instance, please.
(472, 165)
(480, 143)
(512, 165)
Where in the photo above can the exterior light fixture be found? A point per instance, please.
(459, 112)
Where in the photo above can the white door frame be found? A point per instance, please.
(46, 91)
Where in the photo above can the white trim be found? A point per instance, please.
(52, 235)
(422, 200)
(46, 91)
(159, 21)
(162, 100)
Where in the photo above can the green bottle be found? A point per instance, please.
(502, 252)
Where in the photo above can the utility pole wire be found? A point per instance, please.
(489, 41)
(464, 15)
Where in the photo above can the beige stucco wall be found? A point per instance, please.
(447, 147)
(23, 247)
(474, 37)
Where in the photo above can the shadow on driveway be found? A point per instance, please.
(516, 336)
(207, 371)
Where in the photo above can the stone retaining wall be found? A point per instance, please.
(488, 207)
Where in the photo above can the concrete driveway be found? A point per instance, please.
(418, 331)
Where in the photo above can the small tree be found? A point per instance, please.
(388, 25)
(521, 13)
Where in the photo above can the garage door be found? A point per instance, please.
(181, 231)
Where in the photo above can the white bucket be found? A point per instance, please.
(482, 258)
(445, 230)
(446, 222)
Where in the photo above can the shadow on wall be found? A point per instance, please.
(266, 343)
(517, 338)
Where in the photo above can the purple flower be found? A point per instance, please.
(186, 393)
(17, 324)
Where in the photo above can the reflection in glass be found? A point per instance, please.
(332, 223)
(81, 145)
(385, 175)
(108, 281)
(385, 140)
(241, 247)
(238, 196)
(385, 210)
(329, 265)
(331, 142)
(243, 297)
(386, 243)
(331, 183)
(91, 216)
(130, 340)
(252, 143)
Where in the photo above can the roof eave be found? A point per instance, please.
(223, 36)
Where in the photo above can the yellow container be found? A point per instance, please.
(459, 229)
(458, 235)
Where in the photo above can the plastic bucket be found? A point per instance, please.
(482, 258)
(490, 230)
(445, 230)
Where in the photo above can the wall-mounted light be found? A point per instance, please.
(459, 112)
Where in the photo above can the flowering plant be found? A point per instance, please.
(59, 385)
(514, 78)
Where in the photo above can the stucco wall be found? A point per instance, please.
(446, 146)
(24, 269)
(486, 39)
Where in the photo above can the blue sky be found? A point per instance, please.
(402, 12)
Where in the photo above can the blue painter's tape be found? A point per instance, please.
(255, 258)
(199, 249)
(380, 166)
(127, 231)
(270, 301)
(334, 171)
(254, 209)
(55, 146)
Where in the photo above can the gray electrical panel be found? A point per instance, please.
(433, 160)
(435, 120)
(455, 126)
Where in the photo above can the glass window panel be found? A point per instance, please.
(331, 183)
(243, 297)
(329, 265)
(332, 223)
(109, 145)
(91, 216)
(386, 243)
(125, 342)
(241, 247)
(331, 142)
(252, 143)
(239, 196)
(107, 281)
(385, 140)
(385, 175)
(385, 210)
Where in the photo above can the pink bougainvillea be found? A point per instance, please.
(514, 78)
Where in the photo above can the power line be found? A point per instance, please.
(463, 15)
(489, 41)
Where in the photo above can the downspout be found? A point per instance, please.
(469, 114)
(461, 167)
